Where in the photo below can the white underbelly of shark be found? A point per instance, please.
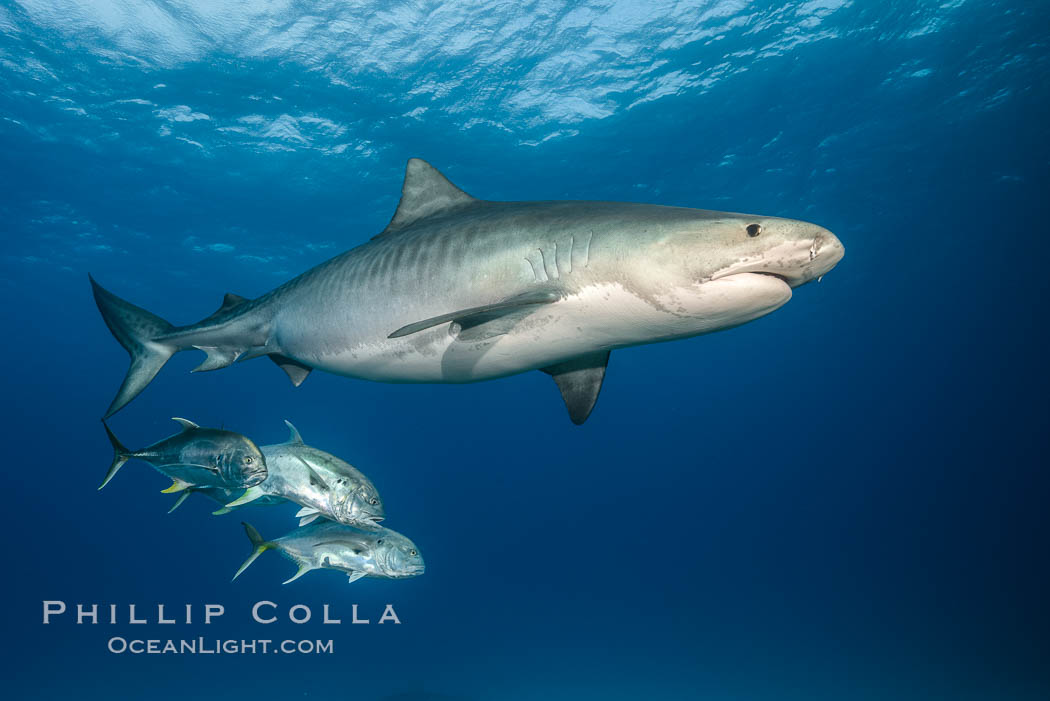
(598, 318)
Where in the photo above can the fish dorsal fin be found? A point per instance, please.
(425, 192)
(294, 438)
(185, 423)
(580, 381)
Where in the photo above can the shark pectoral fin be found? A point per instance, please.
(295, 370)
(304, 567)
(485, 313)
(305, 511)
(186, 424)
(354, 576)
(250, 495)
(177, 485)
(580, 381)
(307, 520)
(217, 359)
(182, 497)
(294, 438)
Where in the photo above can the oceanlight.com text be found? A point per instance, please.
(214, 646)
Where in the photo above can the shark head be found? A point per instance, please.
(717, 270)
(793, 251)
(708, 246)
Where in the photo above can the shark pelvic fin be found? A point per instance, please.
(186, 424)
(295, 370)
(580, 381)
(425, 192)
(467, 317)
(177, 485)
(294, 438)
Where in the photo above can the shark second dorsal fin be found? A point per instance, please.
(425, 192)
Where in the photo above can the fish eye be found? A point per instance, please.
(248, 460)
(753, 230)
(373, 501)
(411, 552)
(379, 542)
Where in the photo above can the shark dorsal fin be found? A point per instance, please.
(425, 192)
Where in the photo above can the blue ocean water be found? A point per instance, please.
(843, 500)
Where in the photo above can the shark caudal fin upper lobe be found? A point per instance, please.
(135, 328)
(259, 546)
(120, 455)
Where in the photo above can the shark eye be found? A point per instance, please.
(753, 230)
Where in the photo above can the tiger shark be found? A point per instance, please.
(457, 289)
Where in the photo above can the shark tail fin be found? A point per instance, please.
(120, 455)
(259, 546)
(135, 328)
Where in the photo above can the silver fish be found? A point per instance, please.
(383, 554)
(324, 485)
(195, 456)
(458, 289)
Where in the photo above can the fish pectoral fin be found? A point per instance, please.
(222, 511)
(177, 485)
(186, 424)
(580, 381)
(295, 370)
(307, 520)
(486, 312)
(354, 576)
(250, 495)
(315, 479)
(306, 511)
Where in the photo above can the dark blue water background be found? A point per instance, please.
(846, 499)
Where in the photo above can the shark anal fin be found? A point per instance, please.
(482, 314)
(580, 381)
(217, 359)
(295, 370)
